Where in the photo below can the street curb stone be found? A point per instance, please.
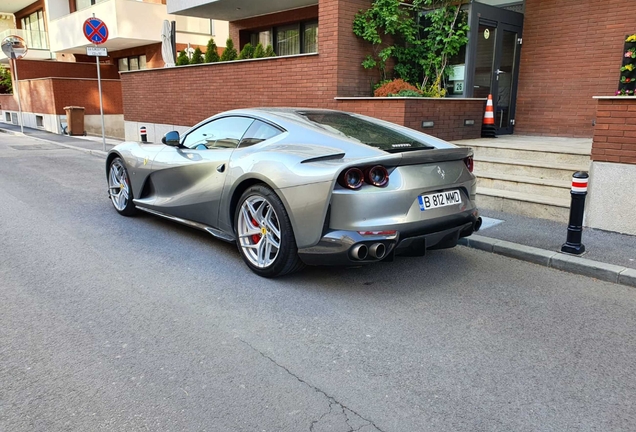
(627, 277)
(552, 259)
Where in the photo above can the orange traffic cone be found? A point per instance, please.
(488, 127)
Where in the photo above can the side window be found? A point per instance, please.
(258, 132)
(225, 132)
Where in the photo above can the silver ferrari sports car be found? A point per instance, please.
(302, 186)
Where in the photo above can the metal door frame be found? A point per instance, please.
(501, 19)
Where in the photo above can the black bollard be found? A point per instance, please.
(573, 243)
(142, 132)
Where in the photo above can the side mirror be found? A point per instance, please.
(172, 139)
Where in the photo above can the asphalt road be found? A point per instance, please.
(137, 324)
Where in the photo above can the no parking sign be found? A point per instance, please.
(95, 30)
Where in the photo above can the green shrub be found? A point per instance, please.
(259, 51)
(247, 52)
(269, 51)
(230, 52)
(5, 81)
(211, 53)
(183, 59)
(408, 93)
(197, 56)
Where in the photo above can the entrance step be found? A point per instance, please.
(524, 204)
(530, 176)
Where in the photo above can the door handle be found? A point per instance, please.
(221, 168)
(499, 71)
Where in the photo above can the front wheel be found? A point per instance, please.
(119, 188)
(264, 233)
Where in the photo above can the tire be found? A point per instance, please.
(119, 188)
(261, 223)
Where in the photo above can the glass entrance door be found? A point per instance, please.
(493, 59)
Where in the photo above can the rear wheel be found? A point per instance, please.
(119, 188)
(264, 233)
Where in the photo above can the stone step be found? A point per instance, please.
(540, 169)
(524, 204)
(527, 185)
(531, 155)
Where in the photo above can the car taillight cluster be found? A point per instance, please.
(354, 178)
(469, 163)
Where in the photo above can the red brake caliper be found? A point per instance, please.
(255, 237)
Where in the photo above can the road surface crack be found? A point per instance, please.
(332, 401)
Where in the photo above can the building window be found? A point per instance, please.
(7, 117)
(299, 38)
(35, 32)
(83, 4)
(39, 121)
(132, 63)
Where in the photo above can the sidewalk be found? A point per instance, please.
(87, 143)
(609, 256)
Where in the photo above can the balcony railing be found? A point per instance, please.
(36, 40)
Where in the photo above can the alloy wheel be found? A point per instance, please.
(118, 185)
(258, 231)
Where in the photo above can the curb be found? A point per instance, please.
(557, 260)
(98, 153)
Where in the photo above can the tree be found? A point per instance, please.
(197, 56)
(6, 86)
(259, 51)
(230, 52)
(182, 59)
(247, 52)
(211, 53)
(269, 51)
(420, 37)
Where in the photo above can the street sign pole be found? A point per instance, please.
(101, 106)
(17, 90)
(96, 32)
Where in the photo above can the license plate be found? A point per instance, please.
(440, 199)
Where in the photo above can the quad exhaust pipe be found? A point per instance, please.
(477, 224)
(377, 250)
(360, 252)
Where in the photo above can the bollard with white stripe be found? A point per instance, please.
(142, 132)
(578, 193)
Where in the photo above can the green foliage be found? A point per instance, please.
(6, 86)
(407, 93)
(269, 51)
(197, 56)
(385, 20)
(211, 53)
(230, 52)
(247, 52)
(259, 51)
(420, 39)
(182, 59)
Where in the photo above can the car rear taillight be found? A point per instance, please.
(469, 163)
(352, 178)
(377, 176)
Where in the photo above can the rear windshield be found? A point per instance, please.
(365, 131)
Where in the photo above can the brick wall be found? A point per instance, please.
(8, 102)
(615, 131)
(30, 69)
(51, 95)
(448, 114)
(572, 50)
(190, 94)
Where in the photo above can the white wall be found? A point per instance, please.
(154, 131)
(611, 197)
(113, 124)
